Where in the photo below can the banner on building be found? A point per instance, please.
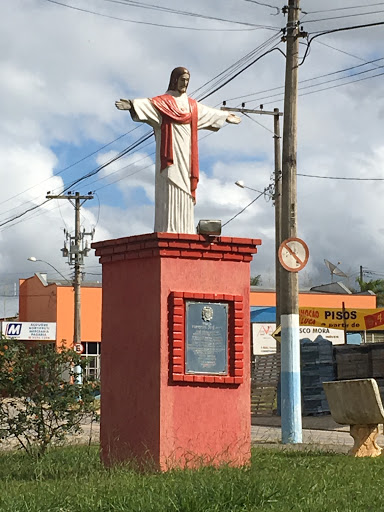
(339, 318)
(39, 331)
(264, 343)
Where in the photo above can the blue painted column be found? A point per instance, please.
(291, 425)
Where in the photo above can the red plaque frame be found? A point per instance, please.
(235, 338)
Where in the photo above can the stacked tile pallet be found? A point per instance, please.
(377, 365)
(317, 366)
(353, 361)
(361, 362)
(265, 378)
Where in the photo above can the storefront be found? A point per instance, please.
(51, 303)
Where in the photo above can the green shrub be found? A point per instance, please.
(41, 399)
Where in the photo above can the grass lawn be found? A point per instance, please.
(72, 479)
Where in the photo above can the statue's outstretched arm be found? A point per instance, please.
(123, 104)
(233, 119)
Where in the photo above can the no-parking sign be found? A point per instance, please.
(293, 254)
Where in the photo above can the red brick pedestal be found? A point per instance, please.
(151, 409)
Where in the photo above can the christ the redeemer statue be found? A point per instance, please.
(175, 119)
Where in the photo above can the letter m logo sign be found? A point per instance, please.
(13, 330)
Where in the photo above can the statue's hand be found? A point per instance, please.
(233, 119)
(123, 104)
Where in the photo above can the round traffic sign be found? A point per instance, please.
(79, 348)
(293, 254)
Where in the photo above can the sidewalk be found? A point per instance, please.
(319, 432)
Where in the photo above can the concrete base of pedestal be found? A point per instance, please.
(151, 411)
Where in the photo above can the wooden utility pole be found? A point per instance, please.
(291, 424)
(75, 254)
(77, 276)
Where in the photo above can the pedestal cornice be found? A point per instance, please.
(177, 245)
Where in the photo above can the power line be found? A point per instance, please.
(260, 124)
(345, 16)
(345, 8)
(98, 209)
(69, 167)
(265, 5)
(82, 178)
(339, 177)
(266, 189)
(169, 10)
(216, 80)
(344, 52)
(95, 171)
(57, 188)
(311, 79)
(125, 167)
(341, 85)
(317, 85)
(125, 177)
(249, 26)
(341, 29)
(242, 70)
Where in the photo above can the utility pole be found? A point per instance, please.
(76, 252)
(277, 192)
(291, 423)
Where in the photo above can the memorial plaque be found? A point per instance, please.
(206, 347)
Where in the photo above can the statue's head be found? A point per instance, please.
(179, 80)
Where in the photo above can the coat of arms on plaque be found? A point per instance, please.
(207, 313)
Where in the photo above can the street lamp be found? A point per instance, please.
(32, 258)
(240, 184)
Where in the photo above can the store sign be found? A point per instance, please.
(339, 318)
(29, 330)
(265, 343)
(334, 335)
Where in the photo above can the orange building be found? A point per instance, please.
(317, 299)
(41, 300)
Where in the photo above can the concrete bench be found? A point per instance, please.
(357, 403)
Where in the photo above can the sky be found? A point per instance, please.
(66, 62)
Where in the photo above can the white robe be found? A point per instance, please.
(173, 199)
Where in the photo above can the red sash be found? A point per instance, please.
(171, 113)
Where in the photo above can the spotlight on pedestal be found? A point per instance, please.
(209, 227)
